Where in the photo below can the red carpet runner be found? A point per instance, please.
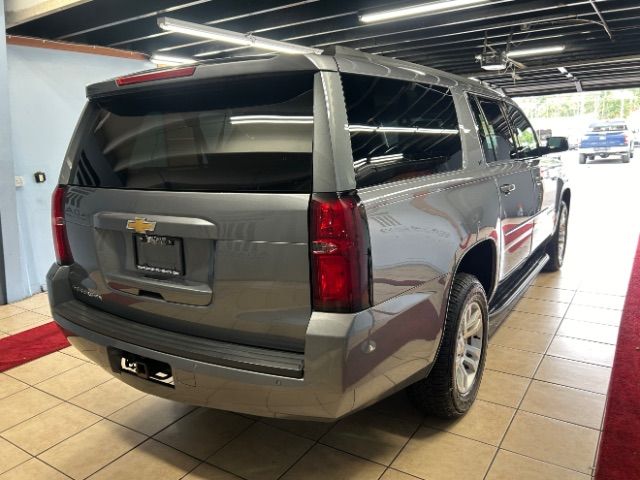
(31, 344)
(619, 454)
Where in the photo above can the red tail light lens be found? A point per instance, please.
(340, 254)
(626, 139)
(155, 75)
(60, 240)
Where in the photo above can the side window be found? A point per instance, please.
(500, 135)
(484, 130)
(400, 129)
(523, 131)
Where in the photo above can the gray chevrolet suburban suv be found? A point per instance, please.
(300, 235)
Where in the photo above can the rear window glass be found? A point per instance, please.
(238, 135)
(400, 130)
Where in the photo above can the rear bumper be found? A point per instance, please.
(618, 150)
(349, 362)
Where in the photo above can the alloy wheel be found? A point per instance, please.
(562, 233)
(469, 347)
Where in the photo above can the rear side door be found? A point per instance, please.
(514, 182)
(544, 172)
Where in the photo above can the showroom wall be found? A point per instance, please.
(10, 252)
(46, 96)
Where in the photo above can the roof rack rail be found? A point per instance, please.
(340, 50)
(352, 52)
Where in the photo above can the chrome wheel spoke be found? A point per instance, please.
(461, 377)
(471, 358)
(469, 344)
(473, 323)
(562, 232)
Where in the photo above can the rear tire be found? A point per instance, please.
(557, 245)
(582, 158)
(625, 158)
(452, 385)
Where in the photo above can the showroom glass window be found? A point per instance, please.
(400, 129)
(523, 131)
(501, 140)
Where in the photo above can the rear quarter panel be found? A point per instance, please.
(419, 229)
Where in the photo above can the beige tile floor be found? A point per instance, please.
(538, 414)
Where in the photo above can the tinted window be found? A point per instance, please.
(251, 134)
(523, 131)
(400, 129)
(501, 141)
(483, 130)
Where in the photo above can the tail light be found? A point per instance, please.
(340, 254)
(626, 139)
(60, 240)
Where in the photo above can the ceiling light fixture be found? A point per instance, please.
(235, 38)
(535, 51)
(159, 59)
(422, 9)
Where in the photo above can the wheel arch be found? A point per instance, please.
(475, 260)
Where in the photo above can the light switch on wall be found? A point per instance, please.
(19, 181)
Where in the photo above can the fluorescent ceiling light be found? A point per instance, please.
(235, 38)
(171, 60)
(422, 9)
(271, 119)
(535, 51)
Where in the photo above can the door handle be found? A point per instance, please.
(507, 188)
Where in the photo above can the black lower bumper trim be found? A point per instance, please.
(286, 364)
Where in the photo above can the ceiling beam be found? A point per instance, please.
(230, 15)
(601, 17)
(564, 33)
(465, 59)
(358, 35)
(577, 63)
(86, 16)
(18, 12)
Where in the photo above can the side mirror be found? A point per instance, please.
(557, 144)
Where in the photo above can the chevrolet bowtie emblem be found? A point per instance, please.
(141, 225)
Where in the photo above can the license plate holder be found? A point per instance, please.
(159, 255)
